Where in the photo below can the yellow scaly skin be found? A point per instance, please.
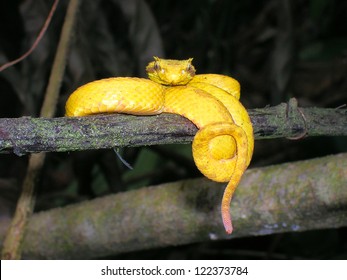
(223, 146)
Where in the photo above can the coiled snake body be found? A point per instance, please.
(223, 146)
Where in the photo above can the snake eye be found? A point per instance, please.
(190, 69)
(156, 66)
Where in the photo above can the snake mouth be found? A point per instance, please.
(170, 79)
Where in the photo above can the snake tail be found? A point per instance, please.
(228, 194)
(237, 163)
(241, 165)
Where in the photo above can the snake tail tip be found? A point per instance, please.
(227, 222)
(228, 229)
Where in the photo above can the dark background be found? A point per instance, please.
(276, 49)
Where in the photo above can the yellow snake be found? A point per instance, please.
(223, 146)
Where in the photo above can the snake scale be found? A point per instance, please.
(223, 145)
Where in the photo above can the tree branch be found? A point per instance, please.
(28, 135)
(283, 198)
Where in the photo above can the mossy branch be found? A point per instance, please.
(28, 135)
(283, 198)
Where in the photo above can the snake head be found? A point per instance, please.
(170, 72)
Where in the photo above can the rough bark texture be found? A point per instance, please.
(289, 197)
(27, 135)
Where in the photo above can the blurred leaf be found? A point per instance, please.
(324, 49)
(319, 7)
(143, 32)
(145, 165)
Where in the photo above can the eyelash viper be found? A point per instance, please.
(223, 146)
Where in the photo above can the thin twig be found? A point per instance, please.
(37, 41)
